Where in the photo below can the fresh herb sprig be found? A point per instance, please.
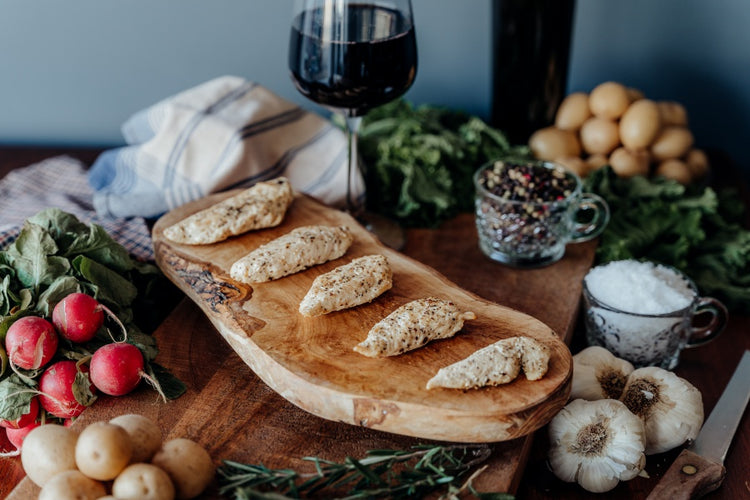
(419, 161)
(692, 228)
(394, 474)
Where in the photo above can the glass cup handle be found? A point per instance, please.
(584, 231)
(719, 318)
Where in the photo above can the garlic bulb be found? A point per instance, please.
(596, 444)
(598, 374)
(670, 407)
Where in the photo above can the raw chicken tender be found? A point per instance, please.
(261, 206)
(295, 251)
(358, 282)
(413, 325)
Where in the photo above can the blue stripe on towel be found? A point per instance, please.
(288, 116)
(278, 168)
(185, 134)
(255, 128)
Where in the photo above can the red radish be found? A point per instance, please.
(78, 317)
(56, 388)
(25, 419)
(31, 342)
(5, 444)
(16, 436)
(116, 369)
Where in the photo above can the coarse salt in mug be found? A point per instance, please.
(643, 312)
(526, 212)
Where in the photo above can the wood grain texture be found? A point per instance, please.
(310, 361)
(690, 476)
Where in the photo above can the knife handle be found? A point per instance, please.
(690, 476)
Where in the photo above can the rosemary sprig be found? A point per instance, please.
(380, 474)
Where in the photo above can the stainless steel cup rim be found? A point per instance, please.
(678, 312)
(550, 165)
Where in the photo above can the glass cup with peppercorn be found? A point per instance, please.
(526, 212)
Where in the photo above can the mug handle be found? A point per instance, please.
(719, 318)
(584, 231)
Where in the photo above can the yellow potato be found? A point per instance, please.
(599, 135)
(551, 142)
(103, 450)
(597, 161)
(672, 142)
(634, 94)
(143, 482)
(145, 435)
(674, 169)
(626, 163)
(640, 124)
(573, 111)
(188, 464)
(48, 450)
(609, 100)
(673, 113)
(697, 163)
(574, 164)
(72, 485)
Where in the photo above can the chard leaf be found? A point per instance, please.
(171, 386)
(15, 397)
(77, 238)
(34, 259)
(58, 289)
(81, 388)
(110, 287)
(146, 343)
(98, 245)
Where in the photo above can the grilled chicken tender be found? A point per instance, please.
(358, 282)
(261, 206)
(413, 325)
(295, 251)
(496, 364)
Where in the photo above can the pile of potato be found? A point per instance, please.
(616, 125)
(122, 459)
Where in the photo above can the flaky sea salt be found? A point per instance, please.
(639, 311)
(639, 287)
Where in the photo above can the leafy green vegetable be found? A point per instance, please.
(54, 255)
(693, 229)
(419, 162)
(16, 394)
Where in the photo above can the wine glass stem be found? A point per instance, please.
(352, 132)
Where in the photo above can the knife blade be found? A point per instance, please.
(699, 469)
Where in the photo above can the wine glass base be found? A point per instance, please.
(387, 230)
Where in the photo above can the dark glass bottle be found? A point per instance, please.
(531, 49)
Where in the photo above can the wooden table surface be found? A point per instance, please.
(518, 466)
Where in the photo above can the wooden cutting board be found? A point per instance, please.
(310, 361)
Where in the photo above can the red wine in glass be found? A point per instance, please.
(352, 57)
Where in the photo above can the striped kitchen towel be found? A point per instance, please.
(60, 182)
(223, 134)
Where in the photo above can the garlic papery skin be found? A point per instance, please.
(671, 408)
(598, 374)
(596, 444)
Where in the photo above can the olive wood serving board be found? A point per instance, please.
(310, 361)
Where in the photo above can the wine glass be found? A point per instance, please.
(352, 56)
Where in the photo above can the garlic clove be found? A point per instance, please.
(671, 408)
(596, 444)
(598, 374)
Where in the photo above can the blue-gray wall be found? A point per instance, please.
(72, 71)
